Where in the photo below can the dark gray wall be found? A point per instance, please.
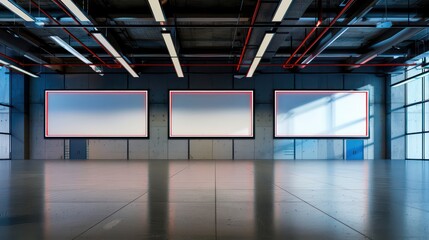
(19, 118)
(160, 147)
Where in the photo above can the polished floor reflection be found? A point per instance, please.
(265, 199)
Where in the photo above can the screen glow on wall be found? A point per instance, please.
(96, 113)
(321, 114)
(211, 114)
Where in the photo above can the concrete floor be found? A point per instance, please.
(214, 199)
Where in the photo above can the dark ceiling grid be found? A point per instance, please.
(346, 7)
(361, 10)
(205, 41)
(234, 35)
(93, 54)
(175, 31)
(249, 34)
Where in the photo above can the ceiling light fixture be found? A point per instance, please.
(421, 75)
(34, 59)
(99, 37)
(73, 51)
(103, 41)
(178, 67)
(76, 11)
(18, 69)
(15, 8)
(281, 10)
(173, 54)
(264, 45)
(253, 67)
(170, 45)
(70, 49)
(155, 6)
(127, 66)
(261, 51)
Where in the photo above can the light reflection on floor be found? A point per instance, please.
(222, 199)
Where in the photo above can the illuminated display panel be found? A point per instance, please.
(211, 114)
(96, 113)
(321, 114)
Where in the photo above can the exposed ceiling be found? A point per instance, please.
(218, 33)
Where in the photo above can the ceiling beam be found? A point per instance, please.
(386, 42)
(362, 9)
(297, 10)
(267, 9)
(25, 44)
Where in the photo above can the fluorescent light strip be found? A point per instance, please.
(155, 6)
(265, 42)
(262, 48)
(100, 37)
(421, 75)
(70, 49)
(177, 66)
(15, 8)
(170, 45)
(173, 54)
(127, 66)
(18, 69)
(253, 67)
(76, 10)
(281, 10)
(103, 41)
(34, 59)
(73, 51)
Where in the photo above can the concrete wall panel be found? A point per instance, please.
(178, 149)
(264, 143)
(107, 149)
(244, 149)
(77, 81)
(201, 149)
(159, 146)
(138, 148)
(306, 149)
(222, 149)
(284, 149)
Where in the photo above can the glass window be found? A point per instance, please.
(426, 145)
(397, 77)
(427, 116)
(4, 146)
(414, 91)
(426, 87)
(416, 109)
(4, 113)
(4, 119)
(4, 85)
(414, 118)
(414, 146)
(413, 71)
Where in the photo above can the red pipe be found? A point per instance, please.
(233, 65)
(303, 42)
(11, 59)
(84, 28)
(68, 32)
(249, 33)
(346, 7)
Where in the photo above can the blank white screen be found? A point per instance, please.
(211, 114)
(321, 114)
(96, 114)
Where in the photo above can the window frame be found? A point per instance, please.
(406, 106)
(8, 105)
